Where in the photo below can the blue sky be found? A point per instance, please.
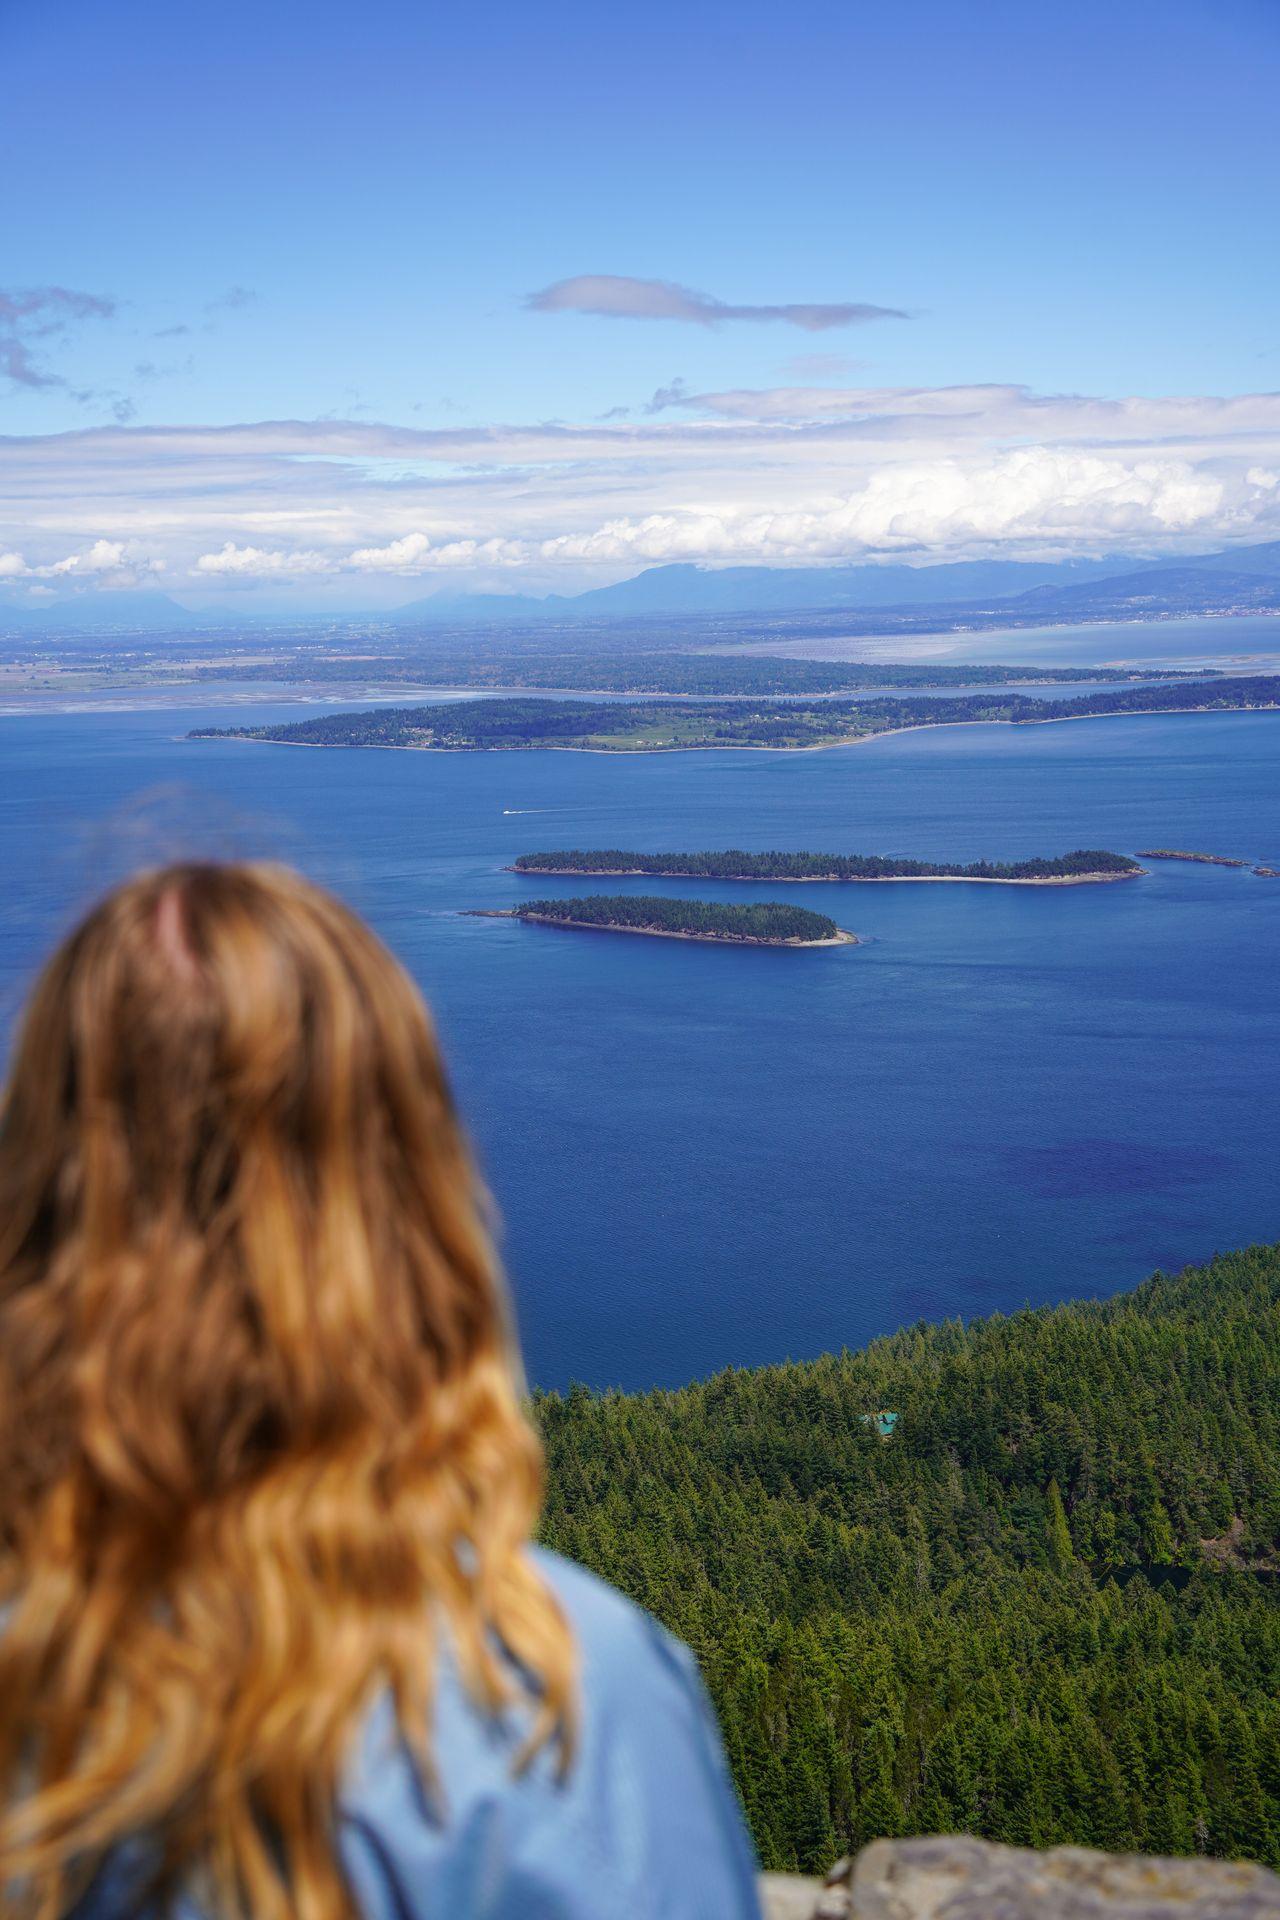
(319, 213)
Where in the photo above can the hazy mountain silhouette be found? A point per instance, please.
(1237, 576)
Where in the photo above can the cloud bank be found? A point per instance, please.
(789, 476)
(616, 296)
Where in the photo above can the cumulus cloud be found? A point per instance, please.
(790, 476)
(617, 296)
(104, 556)
(30, 316)
(259, 563)
(1030, 495)
(412, 553)
(96, 562)
(400, 554)
(419, 553)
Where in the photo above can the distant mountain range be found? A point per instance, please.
(685, 588)
(104, 613)
(1237, 578)
(1243, 575)
(1189, 588)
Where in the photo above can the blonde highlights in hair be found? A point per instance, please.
(261, 1440)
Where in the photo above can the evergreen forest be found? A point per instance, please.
(772, 921)
(735, 864)
(1045, 1608)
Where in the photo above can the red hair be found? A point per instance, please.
(261, 1438)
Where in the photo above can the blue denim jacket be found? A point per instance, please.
(645, 1826)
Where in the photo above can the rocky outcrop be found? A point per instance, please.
(952, 1877)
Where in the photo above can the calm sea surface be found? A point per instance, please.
(705, 1156)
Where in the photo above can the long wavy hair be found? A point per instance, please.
(262, 1447)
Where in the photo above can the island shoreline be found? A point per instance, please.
(841, 938)
(824, 879)
(734, 746)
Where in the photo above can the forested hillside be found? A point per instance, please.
(1040, 1611)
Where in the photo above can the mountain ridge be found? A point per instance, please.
(1243, 576)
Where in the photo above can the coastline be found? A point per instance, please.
(841, 938)
(733, 746)
(824, 879)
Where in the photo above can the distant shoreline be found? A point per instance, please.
(839, 939)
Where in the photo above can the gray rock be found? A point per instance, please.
(788, 1896)
(956, 1878)
(953, 1877)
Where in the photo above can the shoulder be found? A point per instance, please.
(644, 1822)
(616, 1639)
(639, 1686)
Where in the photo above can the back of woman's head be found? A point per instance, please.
(260, 1439)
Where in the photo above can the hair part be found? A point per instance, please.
(262, 1448)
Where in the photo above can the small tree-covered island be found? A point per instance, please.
(769, 923)
(639, 726)
(1069, 869)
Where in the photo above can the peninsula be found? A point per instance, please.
(629, 726)
(1070, 869)
(1201, 859)
(770, 923)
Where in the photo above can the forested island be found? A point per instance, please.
(1085, 864)
(640, 727)
(1046, 1610)
(770, 923)
(1201, 859)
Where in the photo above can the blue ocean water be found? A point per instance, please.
(1240, 643)
(707, 1156)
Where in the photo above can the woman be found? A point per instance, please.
(275, 1641)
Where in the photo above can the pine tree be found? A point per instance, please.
(1061, 1551)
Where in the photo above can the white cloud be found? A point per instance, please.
(398, 556)
(787, 475)
(259, 563)
(415, 553)
(1030, 496)
(104, 556)
(106, 561)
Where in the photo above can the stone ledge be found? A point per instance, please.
(954, 1877)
